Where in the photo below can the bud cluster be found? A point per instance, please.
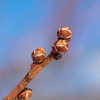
(61, 46)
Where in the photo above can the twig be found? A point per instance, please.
(28, 78)
(58, 50)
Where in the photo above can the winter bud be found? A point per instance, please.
(25, 94)
(59, 49)
(64, 33)
(38, 55)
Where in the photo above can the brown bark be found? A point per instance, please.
(28, 78)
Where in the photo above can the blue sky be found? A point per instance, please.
(16, 17)
(28, 24)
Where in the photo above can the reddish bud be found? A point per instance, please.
(64, 33)
(38, 55)
(25, 94)
(60, 47)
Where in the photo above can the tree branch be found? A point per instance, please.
(59, 48)
(35, 69)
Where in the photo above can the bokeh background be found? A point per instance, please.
(28, 24)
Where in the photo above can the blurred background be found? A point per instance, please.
(28, 24)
